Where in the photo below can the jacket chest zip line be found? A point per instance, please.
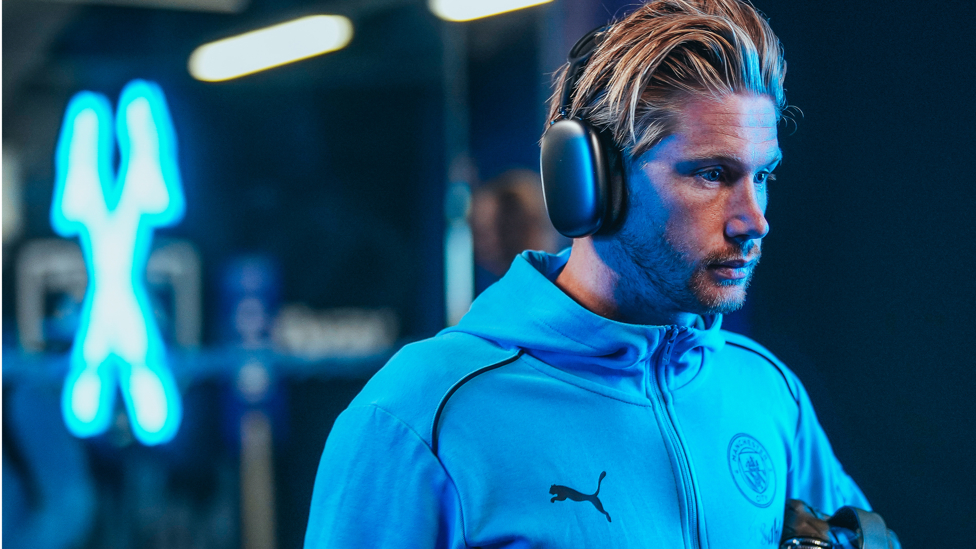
(676, 449)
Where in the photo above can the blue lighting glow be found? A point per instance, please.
(114, 218)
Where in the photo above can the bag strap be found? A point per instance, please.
(874, 533)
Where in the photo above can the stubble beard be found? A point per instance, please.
(655, 275)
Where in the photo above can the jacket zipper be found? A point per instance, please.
(678, 448)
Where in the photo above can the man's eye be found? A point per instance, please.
(712, 175)
(763, 177)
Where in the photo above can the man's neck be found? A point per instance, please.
(599, 288)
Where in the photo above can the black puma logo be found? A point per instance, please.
(560, 493)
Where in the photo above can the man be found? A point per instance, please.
(590, 399)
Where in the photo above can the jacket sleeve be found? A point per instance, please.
(378, 485)
(815, 475)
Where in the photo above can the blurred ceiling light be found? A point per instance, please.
(269, 47)
(222, 6)
(466, 10)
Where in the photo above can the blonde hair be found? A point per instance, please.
(667, 52)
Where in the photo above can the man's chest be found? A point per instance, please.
(578, 469)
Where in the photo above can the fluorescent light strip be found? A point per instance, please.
(466, 10)
(270, 47)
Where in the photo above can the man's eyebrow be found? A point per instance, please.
(722, 158)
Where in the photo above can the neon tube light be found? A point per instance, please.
(269, 47)
(466, 10)
(114, 218)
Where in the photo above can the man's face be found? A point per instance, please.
(696, 212)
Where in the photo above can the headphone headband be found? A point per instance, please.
(578, 57)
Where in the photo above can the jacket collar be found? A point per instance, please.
(526, 310)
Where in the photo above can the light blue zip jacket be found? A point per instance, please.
(536, 423)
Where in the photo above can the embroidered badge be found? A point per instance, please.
(752, 470)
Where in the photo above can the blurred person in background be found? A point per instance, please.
(49, 496)
(591, 398)
(508, 216)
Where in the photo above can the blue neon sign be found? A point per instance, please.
(114, 217)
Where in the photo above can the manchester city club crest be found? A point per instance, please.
(752, 469)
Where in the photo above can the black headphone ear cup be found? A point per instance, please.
(575, 178)
(582, 179)
(582, 171)
(616, 193)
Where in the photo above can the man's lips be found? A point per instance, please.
(735, 264)
(735, 269)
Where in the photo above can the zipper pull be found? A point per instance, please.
(662, 376)
(672, 337)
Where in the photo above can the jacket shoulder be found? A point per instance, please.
(742, 344)
(417, 378)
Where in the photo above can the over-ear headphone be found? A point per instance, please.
(582, 170)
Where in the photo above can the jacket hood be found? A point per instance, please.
(526, 310)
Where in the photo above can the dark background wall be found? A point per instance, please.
(336, 166)
(867, 287)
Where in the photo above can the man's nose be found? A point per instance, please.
(747, 214)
